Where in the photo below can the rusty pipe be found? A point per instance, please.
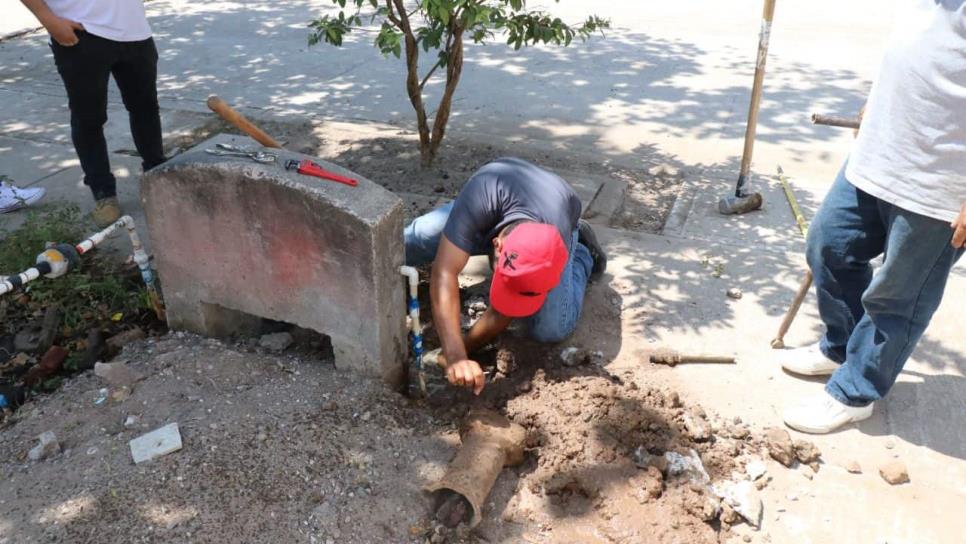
(490, 441)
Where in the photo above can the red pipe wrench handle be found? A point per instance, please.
(309, 168)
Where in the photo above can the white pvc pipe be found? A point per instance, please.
(28, 275)
(413, 276)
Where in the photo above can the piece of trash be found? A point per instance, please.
(156, 443)
(48, 446)
(117, 317)
(102, 395)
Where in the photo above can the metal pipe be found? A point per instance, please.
(413, 303)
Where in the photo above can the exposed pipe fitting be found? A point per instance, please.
(490, 442)
(59, 259)
(417, 330)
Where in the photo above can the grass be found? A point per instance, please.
(97, 290)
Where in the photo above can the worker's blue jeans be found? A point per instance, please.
(874, 322)
(558, 316)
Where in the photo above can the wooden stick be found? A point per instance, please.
(779, 341)
(227, 113)
(833, 121)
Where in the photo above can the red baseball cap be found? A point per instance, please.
(531, 259)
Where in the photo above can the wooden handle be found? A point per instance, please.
(779, 341)
(832, 121)
(227, 113)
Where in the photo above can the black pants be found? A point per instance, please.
(86, 69)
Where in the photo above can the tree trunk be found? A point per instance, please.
(454, 69)
(413, 87)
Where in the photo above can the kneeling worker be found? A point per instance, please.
(528, 220)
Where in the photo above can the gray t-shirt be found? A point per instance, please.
(508, 190)
(911, 150)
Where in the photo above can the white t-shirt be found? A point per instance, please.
(118, 20)
(911, 150)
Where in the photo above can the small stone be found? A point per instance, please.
(807, 475)
(132, 421)
(780, 446)
(728, 514)
(890, 444)
(643, 459)
(48, 446)
(276, 342)
(697, 425)
(675, 400)
(854, 467)
(574, 356)
(806, 452)
(735, 293)
(664, 171)
(894, 472)
(122, 339)
(116, 374)
(746, 538)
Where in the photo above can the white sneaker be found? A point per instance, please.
(807, 361)
(14, 198)
(823, 414)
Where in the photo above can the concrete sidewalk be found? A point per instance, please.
(666, 86)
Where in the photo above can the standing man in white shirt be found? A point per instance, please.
(902, 193)
(93, 40)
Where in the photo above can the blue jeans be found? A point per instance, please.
(874, 322)
(558, 316)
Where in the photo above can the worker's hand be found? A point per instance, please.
(63, 31)
(959, 229)
(466, 373)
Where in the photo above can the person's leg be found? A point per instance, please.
(845, 235)
(136, 74)
(85, 69)
(558, 316)
(899, 304)
(422, 236)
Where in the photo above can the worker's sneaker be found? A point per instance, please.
(106, 212)
(587, 237)
(807, 361)
(14, 198)
(823, 414)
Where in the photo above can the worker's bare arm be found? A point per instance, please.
(445, 294)
(485, 329)
(63, 31)
(959, 229)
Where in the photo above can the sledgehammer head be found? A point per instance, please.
(734, 205)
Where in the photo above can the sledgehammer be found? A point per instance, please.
(743, 201)
(490, 442)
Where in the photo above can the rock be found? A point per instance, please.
(728, 514)
(39, 337)
(755, 468)
(675, 400)
(132, 421)
(278, 341)
(697, 425)
(122, 339)
(653, 484)
(780, 446)
(735, 293)
(806, 452)
(156, 443)
(505, 361)
(689, 466)
(853, 467)
(49, 365)
(894, 472)
(643, 459)
(743, 498)
(116, 374)
(664, 171)
(48, 446)
(574, 356)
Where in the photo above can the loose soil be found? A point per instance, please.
(286, 448)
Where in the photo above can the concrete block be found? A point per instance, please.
(235, 239)
(156, 443)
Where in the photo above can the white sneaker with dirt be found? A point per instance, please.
(807, 361)
(14, 198)
(823, 414)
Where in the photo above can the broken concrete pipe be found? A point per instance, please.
(412, 276)
(59, 259)
(489, 442)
